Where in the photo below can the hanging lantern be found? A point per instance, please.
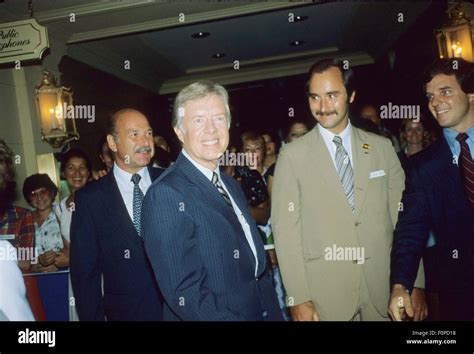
(455, 37)
(57, 128)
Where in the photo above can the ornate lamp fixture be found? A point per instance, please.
(455, 37)
(57, 128)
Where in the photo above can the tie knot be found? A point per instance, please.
(337, 140)
(136, 178)
(461, 137)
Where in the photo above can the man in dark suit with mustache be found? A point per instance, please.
(105, 231)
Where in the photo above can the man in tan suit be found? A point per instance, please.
(335, 202)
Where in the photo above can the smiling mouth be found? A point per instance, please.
(210, 142)
(442, 111)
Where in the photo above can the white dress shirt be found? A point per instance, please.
(125, 185)
(346, 136)
(13, 303)
(245, 226)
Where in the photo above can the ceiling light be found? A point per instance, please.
(199, 35)
(296, 43)
(301, 18)
(219, 55)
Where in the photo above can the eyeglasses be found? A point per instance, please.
(39, 193)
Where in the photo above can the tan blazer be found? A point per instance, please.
(311, 217)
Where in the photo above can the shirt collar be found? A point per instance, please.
(204, 170)
(48, 219)
(127, 176)
(450, 135)
(330, 135)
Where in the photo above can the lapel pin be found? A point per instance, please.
(366, 148)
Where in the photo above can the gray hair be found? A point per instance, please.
(196, 91)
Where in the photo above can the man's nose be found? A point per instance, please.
(209, 126)
(323, 105)
(143, 140)
(435, 101)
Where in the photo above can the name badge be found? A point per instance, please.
(7, 237)
(376, 174)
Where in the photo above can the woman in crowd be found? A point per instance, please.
(39, 191)
(272, 147)
(255, 189)
(414, 137)
(76, 169)
(296, 130)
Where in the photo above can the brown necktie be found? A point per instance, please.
(467, 166)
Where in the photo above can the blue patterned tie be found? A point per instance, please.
(344, 170)
(137, 202)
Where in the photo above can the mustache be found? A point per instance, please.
(143, 149)
(319, 113)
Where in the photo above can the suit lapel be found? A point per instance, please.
(201, 183)
(212, 196)
(361, 167)
(155, 172)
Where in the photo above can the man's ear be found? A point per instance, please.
(471, 97)
(351, 99)
(179, 134)
(111, 142)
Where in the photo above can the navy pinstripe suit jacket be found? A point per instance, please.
(198, 250)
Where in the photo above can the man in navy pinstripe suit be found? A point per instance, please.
(202, 243)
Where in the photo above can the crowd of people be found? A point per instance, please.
(343, 221)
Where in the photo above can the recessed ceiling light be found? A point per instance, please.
(301, 18)
(219, 55)
(296, 43)
(199, 35)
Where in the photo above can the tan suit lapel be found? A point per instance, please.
(361, 166)
(325, 166)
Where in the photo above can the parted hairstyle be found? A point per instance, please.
(196, 91)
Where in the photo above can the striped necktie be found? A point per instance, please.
(220, 189)
(344, 170)
(137, 202)
(467, 166)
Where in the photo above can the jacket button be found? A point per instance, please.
(264, 314)
(357, 223)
